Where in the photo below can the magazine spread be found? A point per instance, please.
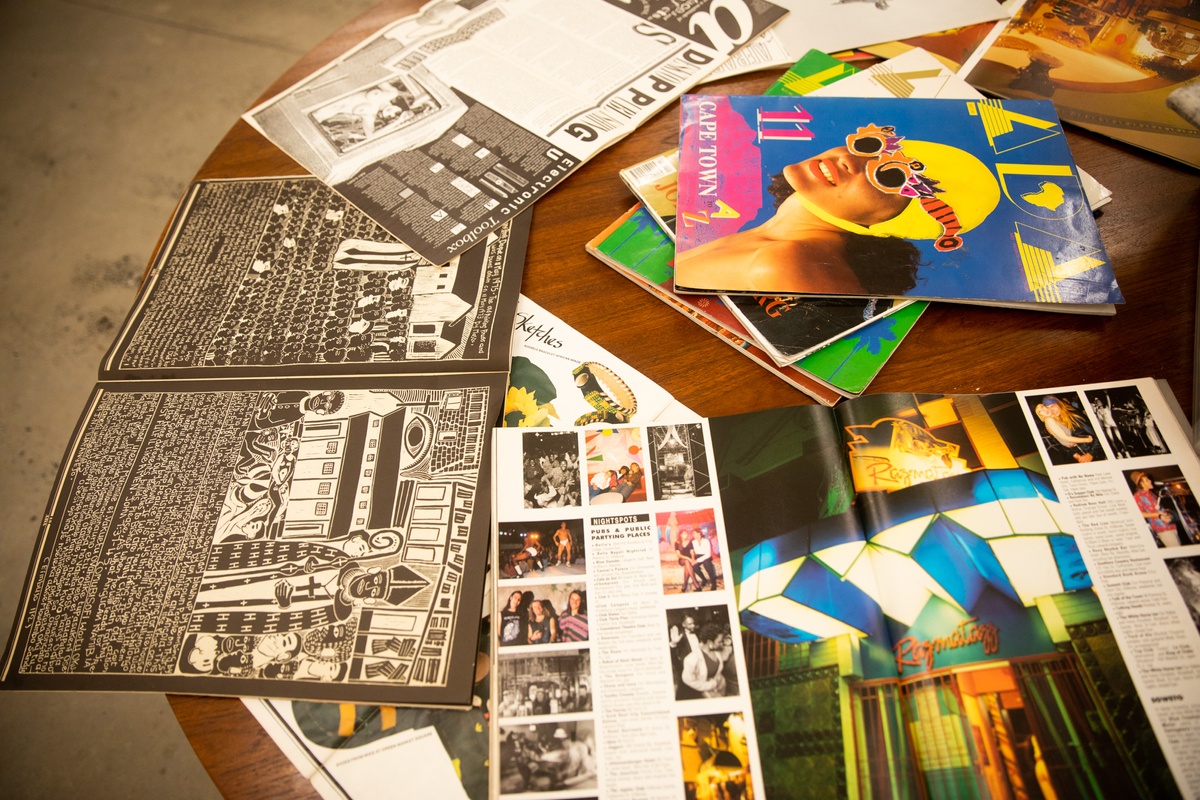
(452, 121)
(933, 596)
(354, 751)
(286, 501)
(938, 199)
(1108, 66)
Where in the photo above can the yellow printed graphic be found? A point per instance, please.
(801, 84)
(900, 84)
(724, 211)
(998, 120)
(1049, 196)
(1043, 274)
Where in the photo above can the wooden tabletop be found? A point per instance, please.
(1151, 230)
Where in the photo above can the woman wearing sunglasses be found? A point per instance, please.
(845, 220)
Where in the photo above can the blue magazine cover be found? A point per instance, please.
(972, 201)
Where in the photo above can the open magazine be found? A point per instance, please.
(274, 489)
(447, 123)
(911, 595)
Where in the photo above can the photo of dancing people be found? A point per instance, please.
(554, 683)
(1186, 573)
(702, 660)
(1066, 431)
(551, 469)
(1167, 504)
(553, 548)
(546, 613)
(615, 471)
(716, 759)
(547, 756)
(689, 552)
(1126, 422)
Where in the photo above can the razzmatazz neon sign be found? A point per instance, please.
(911, 652)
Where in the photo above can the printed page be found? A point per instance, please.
(619, 669)
(448, 123)
(1034, 565)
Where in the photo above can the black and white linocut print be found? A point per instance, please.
(296, 535)
(285, 275)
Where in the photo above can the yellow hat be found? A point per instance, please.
(968, 194)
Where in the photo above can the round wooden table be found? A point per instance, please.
(1151, 230)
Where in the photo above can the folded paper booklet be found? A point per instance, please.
(972, 201)
(909, 595)
(275, 488)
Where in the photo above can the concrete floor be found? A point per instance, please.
(107, 109)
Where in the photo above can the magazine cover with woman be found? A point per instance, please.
(975, 201)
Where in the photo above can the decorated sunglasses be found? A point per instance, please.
(892, 171)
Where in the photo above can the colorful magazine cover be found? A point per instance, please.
(638, 248)
(972, 201)
(1108, 66)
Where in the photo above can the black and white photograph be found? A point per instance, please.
(553, 548)
(679, 462)
(367, 114)
(1166, 503)
(545, 684)
(1126, 423)
(543, 613)
(547, 756)
(551, 469)
(1186, 573)
(701, 642)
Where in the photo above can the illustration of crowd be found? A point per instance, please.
(524, 552)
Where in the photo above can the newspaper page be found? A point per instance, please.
(449, 122)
